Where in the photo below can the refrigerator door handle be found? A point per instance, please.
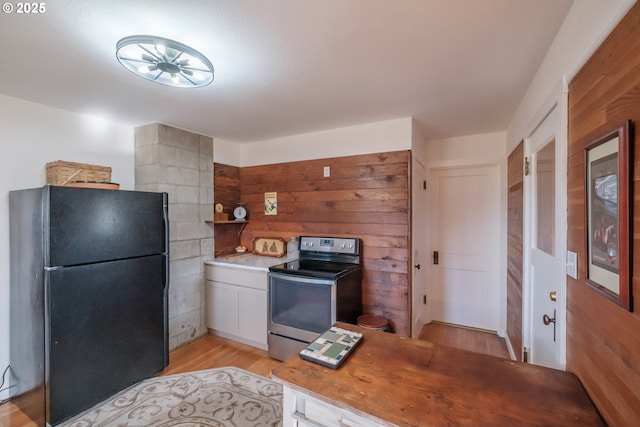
(165, 218)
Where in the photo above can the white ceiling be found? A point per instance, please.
(284, 67)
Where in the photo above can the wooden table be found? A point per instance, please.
(390, 380)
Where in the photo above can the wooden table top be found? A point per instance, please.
(416, 383)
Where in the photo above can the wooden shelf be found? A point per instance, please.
(242, 222)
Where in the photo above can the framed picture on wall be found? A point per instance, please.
(608, 205)
(271, 203)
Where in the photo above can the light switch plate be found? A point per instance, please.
(572, 264)
(327, 171)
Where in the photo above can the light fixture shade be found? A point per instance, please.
(164, 61)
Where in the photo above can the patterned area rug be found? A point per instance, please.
(215, 397)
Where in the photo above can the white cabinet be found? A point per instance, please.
(237, 304)
(252, 314)
(222, 300)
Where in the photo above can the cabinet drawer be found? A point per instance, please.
(237, 276)
(309, 411)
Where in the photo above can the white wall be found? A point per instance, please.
(32, 135)
(226, 152)
(587, 24)
(484, 148)
(377, 137)
(418, 144)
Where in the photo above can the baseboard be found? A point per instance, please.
(512, 353)
(261, 346)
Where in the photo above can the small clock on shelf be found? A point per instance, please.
(219, 214)
(240, 213)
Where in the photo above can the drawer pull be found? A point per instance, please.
(301, 418)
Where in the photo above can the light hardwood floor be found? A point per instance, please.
(465, 338)
(213, 352)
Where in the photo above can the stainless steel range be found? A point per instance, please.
(308, 295)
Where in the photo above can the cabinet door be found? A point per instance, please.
(222, 303)
(252, 314)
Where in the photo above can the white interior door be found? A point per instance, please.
(465, 233)
(420, 258)
(545, 222)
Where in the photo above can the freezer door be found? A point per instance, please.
(90, 225)
(107, 330)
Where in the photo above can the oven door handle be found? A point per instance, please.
(301, 279)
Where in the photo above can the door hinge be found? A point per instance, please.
(424, 299)
(435, 257)
(424, 184)
(526, 166)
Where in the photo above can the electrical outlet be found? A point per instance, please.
(327, 171)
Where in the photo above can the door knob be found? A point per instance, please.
(547, 320)
(417, 266)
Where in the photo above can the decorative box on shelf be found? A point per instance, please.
(220, 216)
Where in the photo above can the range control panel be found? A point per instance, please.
(337, 245)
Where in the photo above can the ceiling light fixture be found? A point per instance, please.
(164, 61)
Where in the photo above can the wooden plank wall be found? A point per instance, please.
(226, 190)
(366, 196)
(603, 339)
(515, 255)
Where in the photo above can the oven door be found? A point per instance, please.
(301, 307)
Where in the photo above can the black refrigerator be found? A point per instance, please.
(89, 282)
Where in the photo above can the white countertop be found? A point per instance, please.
(251, 262)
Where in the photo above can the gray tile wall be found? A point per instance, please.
(181, 163)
